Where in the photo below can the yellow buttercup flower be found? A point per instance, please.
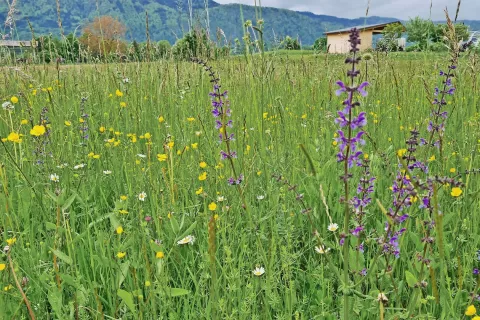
(38, 131)
(14, 137)
(121, 254)
(123, 197)
(212, 206)
(199, 191)
(123, 211)
(67, 123)
(432, 158)
(14, 99)
(147, 136)
(203, 164)
(2, 266)
(118, 93)
(401, 152)
(159, 255)
(119, 230)
(96, 156)
(162, 157)
(453, 170)
(456, 192)
(161, 119)
(171, 144)
(11, 241)
(101, 129)
(123, 104)
(202, 176)
(24, 121)
(471, 311)
(194, 145)
(190, 119)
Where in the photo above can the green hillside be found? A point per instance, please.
(168, 19)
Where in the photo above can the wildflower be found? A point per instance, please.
(212, 206)
(54, 177)
(382, 297)
(259, 173)
(162, 157)
(96, 156)
(123, 211)
(118, 93)
(14, 137)
(38, 131)
(2, 266)
(9, 287)
(7, 106)
(453, 170)
(456, 192)
(401, 152)
(321, 249)
(107, 172)
(190, 119)
(471, 311)
(194, 145)
(123, 104)
(11, 241)
(24, 121)
(199, 191)
(265, 115)
(187, 240)
(159, 255)
(123, 197)
(171, 144)
(142, 196)
(119, 230)
(221, 198)
(121, 254)
(147, 136)
(260, 197)
(202, 176)
(304, 116)
(148, 283)
(101, 129)
(198, 133)
(432, 158)
(258, 271)
(332, 227)
(14, 100)
(79, 166)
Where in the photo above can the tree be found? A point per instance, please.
(163, 48)
(291, 44)
(461, 32)
(391, 34)
(419, 31)
(103, 36)
(320, 44)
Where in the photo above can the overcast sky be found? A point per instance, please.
(401, 9)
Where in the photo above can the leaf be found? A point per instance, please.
(411, 279)
(127, 297)
(174, 224)
(62, 256)
(123, 272)
(188, 231)
(50, 226)
(55, 300)
(52, 195)
(69, 202)
(174, 292)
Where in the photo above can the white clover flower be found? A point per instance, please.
(54, 177)
(333, 227)
(187, 240)
(258, 271)
(321, 249)
(142, 196)
(107, 172)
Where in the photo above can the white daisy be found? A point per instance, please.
(187, 240)
(79, 166)
(54, 177)
(107, 172)
(332, 227)
(321, 249)
(142, 196)
(141, 155)
(221, 198)
(258, 271)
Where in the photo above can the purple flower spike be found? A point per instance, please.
(361, 90)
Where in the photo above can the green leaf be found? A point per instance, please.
(173, 292)
(50, 226)
(52, 195)
(69, 202)
(127, 297)
(62, 256)
(55, 300)
(123, 272)
(411, 279)
(174, 224)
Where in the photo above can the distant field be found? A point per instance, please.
(115, 165)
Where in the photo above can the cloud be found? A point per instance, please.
(401, 9)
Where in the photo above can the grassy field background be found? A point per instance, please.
(86, 246)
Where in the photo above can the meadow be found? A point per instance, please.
(115, 200)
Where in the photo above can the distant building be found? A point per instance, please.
(337, 40)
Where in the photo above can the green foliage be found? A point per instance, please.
(420, 31)
(197, 44)
(320, 44)
(461, 32)
(290, 43)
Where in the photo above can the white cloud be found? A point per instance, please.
(401, 9)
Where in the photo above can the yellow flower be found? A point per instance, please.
(471, 311)
(14, 137)
(453, 170)
(101, 129)
(365, 156)
(9, 287)
(194, 145)
(203, 164)
(148, 283)
(119, 230)
(171, 144)
(91, 154)
(37, 131)
(456, 192)
(119, 93)
(11, 241)
(216, 216)
(96, 156)
(334, 143)
(123, 211)
(212, 206)
(179, 152)
(14, 99)
(159, 255)
(401, 152)
(2, 266)
(147, 135)
(259, 173)
(265, 115)
(123, 197)
(50, 89)
(68, 123)
(476, 318)
(162, 157)
(34, 92)
(121, 255)
(191, 119)
(161, 119)
(24, 121)
(304, 116)
(432, 158)
(199, 191)
(202, 176)
(123, 104)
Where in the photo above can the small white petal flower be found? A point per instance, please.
(382, 297)
(8, 106)
(260, 197)
(141, 155)
(126, 80)
(142, 196)
(333, 227)
(221, 198)
(258, 271)
(54, 177)
(187, 240)
(321, 249)
(107, 172)
(198, 133)
(79, 166)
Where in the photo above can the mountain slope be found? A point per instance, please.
(168, 19)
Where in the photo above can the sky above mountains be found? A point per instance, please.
(401, 9)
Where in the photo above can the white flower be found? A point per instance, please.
(126, 80)
(198, 133)
(142, 196)
(107, 172)
(382, 297)
(63, 165)
(258, 271)
(54, 177)
(260, 197)
(221, 198)
(141, 155)
(332, 227)
(187, 240)
(79, 166)
(321, 249)
(267, 131)
(7, 106)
